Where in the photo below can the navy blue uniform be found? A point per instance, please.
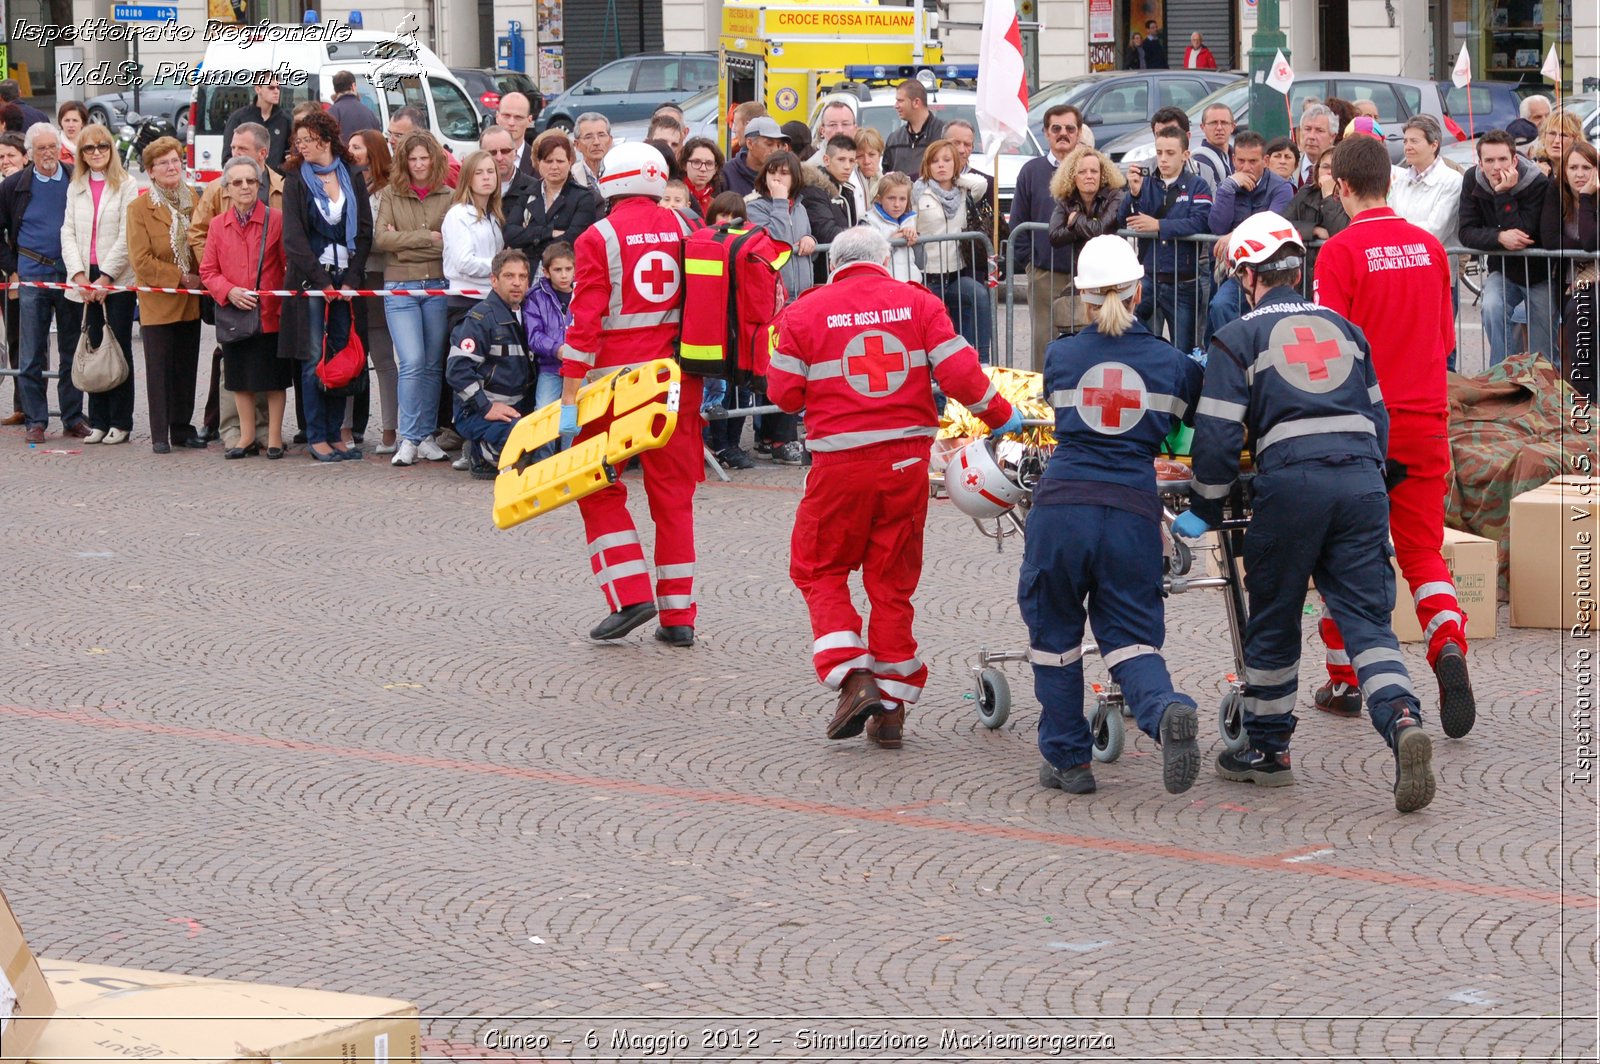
(1298, 378)
(489, 363)
(1094, 535)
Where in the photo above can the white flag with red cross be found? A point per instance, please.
(1281, 76)
(1461, 76)
(1002, 78)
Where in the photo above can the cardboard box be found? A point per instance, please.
(23, 991)
(1555, 531)
(1472, 561)
(121, 1014)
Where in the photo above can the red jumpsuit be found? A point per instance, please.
(626, 308)
(1392, 279)
(856, 355)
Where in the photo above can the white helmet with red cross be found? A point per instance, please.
(635, 169)
(1262, 236)
(977, 483)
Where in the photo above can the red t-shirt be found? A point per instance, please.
(1392, 280)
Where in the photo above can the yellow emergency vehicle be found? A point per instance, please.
(784, 53)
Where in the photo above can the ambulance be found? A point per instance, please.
(786, 54)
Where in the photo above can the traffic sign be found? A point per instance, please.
(143, 13)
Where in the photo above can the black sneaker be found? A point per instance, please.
(735, 458)
(477, 461)
(790, 453)
(1180, 755)
(1413, 766)
(1340, 699)
(763, 449)
(1075, 780)
(1458, 710)
(1252, 766)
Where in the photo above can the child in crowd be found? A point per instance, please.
(891, 215)
(546, 313)
(677, 197)
(722, 436)
(1283, 158)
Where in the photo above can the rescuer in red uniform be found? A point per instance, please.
(856, 354)
(1392, 279)
(626, 310)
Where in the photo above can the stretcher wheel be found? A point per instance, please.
(1108, 730)
(1182, 557)
(1230, 721)
(994, 697)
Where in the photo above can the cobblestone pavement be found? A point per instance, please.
(324, 725)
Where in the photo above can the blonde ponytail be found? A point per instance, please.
(1114, 315)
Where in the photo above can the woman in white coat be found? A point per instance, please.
(942, 201)
(94, 248)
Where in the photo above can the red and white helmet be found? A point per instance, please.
(978, 485)
(1260, 237)
(634, 169)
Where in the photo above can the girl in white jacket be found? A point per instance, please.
(891, 215)
(472, 232)
(942, 201)
(94, 249)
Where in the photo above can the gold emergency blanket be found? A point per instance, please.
(1024, 389)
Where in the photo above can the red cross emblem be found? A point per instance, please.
(1315, 357)
(1108, 391)
(653, 171)
(655, 276)
(973, 479)
(875, 363)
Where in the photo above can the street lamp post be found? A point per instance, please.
(1268, 114)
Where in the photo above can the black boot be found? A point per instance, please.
(675, 635)
(623, 621)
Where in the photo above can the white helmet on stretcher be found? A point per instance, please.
(978, 485)
(635, 169)
(1261, 236)
(1107, 262)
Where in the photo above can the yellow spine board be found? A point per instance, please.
(643, 403)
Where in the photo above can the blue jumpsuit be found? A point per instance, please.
(1094, 535)
(1299, 379)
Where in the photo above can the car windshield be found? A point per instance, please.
(701, 106)
(1233, 96)
(880, 115)
(1069, 91)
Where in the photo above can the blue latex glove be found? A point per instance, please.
(1013, 424)
(1190, 525)
(1199, 355)
(569, 420)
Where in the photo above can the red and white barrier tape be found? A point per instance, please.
(66, 285)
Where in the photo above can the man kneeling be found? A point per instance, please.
(489, 368)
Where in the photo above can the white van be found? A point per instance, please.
(416, 77)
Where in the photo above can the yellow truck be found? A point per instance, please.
(784, 54)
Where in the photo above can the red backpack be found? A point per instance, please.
(731, 282)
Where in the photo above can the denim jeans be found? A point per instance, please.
(419, 326)
(324, 413)
(474, 426)
(113, 409)
(1226, 306)
(968, 304)
(1176, 302)
(546, 390)
(1500, 297)
(36, 307)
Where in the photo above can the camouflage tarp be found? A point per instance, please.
(1505, 439)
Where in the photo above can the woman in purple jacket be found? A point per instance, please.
(546, 313)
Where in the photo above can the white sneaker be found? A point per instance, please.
(117, 436)
(405, 455)
(95, 437)
(430, 450)
(463, 463)
(386, 448)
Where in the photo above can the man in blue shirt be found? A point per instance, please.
(33, 209)
(1249, 190)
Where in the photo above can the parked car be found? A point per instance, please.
(168, 97)
(1585, 106)
(486, 86)
(1118, 102)
(1494, 103)
(699, 110)
(878, 112)
(1397, 99)
(627, 90)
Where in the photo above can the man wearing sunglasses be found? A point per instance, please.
(264, 111)
(1032, 202)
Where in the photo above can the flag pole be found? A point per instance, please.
(1472, 126)
(994, 201)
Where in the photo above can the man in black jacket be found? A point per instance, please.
(1501, 202)
(919, 128)
(489, 368)
(828, 196)
(352, 115)
(266, 112)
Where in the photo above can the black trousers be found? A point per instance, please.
(171, 362)
(113, 409)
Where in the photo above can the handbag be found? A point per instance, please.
(234, 323)
(338, 374)
(98, 369)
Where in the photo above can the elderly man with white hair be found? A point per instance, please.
(33, 210)
(860, 356)
(1531, 114)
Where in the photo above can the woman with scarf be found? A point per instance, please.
(943, 202)
(327, 233)
(702, 170)
(158, 245)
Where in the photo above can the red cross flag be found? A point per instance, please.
(1002, 80)
(1281, 76)
(1461, 76)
